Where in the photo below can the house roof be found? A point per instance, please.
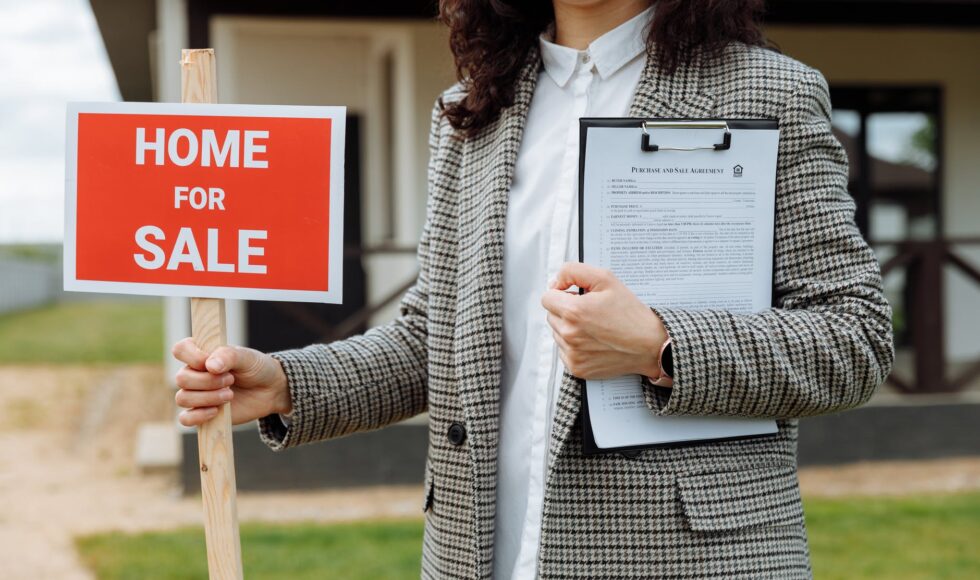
(126, 29)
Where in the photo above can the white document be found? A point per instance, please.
(682, 229)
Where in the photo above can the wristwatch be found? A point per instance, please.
(666, 378)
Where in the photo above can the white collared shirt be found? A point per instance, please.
(541, 234)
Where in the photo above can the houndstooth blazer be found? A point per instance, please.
(718, 509)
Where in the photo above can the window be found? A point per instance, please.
(891, 135)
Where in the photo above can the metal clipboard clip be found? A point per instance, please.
(646, 145)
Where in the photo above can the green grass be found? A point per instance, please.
(84, 332)
(914, 537)
(896, 538)
(367, 550)
(48, 253)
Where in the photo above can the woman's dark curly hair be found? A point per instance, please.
(490, 40)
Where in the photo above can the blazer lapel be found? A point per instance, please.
(487, 171)
(658, 95)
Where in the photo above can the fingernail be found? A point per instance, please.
(215, 365)
(225, 395)
(227, 380)
(552, 281)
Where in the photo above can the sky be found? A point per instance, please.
(50, 53)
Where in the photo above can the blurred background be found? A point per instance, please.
(97, 479)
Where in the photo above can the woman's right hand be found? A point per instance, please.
(254, 382)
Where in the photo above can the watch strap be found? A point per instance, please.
(666, 362)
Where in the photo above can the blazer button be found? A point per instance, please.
(456, 434)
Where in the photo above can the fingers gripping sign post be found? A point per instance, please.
(209, 202)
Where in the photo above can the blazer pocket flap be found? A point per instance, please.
(729, 500)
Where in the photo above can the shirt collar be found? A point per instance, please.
(609, 53)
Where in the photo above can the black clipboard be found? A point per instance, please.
(649, 143)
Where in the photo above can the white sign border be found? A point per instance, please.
(335, 258)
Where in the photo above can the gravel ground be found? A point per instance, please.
(66, 468)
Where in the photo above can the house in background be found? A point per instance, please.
(905, 81)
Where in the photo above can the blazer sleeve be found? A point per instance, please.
(827, 344)
(363, 382)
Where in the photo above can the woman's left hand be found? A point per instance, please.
(605, 332)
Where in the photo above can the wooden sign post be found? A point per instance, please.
(209, 202)
(198, 84)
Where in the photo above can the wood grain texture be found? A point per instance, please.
(198, 80)
(214, 441)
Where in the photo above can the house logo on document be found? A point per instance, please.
(737, 171)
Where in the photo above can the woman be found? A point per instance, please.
(491, 345)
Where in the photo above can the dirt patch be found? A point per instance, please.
(55, 471)
(892, 478)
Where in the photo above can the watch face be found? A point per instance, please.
(667, 360)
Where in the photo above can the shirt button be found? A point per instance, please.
(585, 57)
(456, 434)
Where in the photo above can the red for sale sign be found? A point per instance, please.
(218, 201)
